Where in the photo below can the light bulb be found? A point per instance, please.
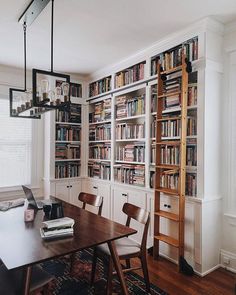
(65, 90)
(28, 98)
(58, 94)
(44, 88)
(18, 104)
(51, 96)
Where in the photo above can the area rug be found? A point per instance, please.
(78, 282)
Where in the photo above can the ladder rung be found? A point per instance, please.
(168, 215)
(169, 118)
(168, 142)
(172, 70)
(166, 166)
(167, 239)
(169, 94)
(167, 191)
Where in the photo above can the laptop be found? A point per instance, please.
(31, 199)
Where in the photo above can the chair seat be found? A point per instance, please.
(124, 246)
(10, 279)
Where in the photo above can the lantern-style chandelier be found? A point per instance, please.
(50, 90)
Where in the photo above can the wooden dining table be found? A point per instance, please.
(21, 245)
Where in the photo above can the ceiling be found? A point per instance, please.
(91, 34)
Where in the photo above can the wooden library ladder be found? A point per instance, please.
(179, 168)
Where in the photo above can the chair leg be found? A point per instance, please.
(109, 277)
(143, 259)
(94, 264)
(128, 263)
(72, 261)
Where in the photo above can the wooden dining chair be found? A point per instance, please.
(92, 200)
(126, 248)
(10, 281)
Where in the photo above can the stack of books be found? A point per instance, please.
(57, 228)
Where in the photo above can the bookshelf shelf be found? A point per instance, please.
(68, 123)
(100, 123)
(66, 160)
(131, 118)
(98, 141)
(67, 141)
(130, 162)
(130, 140)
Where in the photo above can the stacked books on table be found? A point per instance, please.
(57, 228)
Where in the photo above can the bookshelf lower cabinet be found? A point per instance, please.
(68, 191)
(98, 188)
(121, 196)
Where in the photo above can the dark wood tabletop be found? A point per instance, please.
(21, 244)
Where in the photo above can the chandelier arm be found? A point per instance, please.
(25, 54)
(52, 29)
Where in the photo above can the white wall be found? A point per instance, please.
(228, 249)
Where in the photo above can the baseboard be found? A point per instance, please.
(203, 274)
(231, 266)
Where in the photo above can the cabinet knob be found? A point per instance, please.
(95, 187)
(168, 206)
(165, 205)
(124, 195)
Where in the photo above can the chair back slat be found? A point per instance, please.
(92, 200)
(136, 213)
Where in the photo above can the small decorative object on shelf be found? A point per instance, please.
(99, 87)
(130, 75)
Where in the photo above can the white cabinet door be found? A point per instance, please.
(121, 196)
(104, 191)
(75, 189)
(62, 191)
(99, 189)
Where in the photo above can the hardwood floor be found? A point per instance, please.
(165, 275)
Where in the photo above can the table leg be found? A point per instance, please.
(117, 265)
(26, 281)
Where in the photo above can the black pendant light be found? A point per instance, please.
(50, 89)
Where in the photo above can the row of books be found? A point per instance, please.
(102, 111)
(75, 88)
(169, 154)
(130, 174)
(130, 75)
(173, 57)
(68, 133)
(169, 181)
(67, 151)
(71, 116)
(130, 131)
(99, 87)
(67, 169)
(131, 152)
(191, 155)
(99, 170)
(170, 128)
(127, 106)
(101, 132)
(191, 185)
(192, 95)
(100, 151)
(192, 126)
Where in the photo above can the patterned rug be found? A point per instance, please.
(78, 281)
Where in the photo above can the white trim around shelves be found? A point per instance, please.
(67, 123)
(131, 118)
(97, 141)
(100, 123)
(129, 162)
(130, 139)
(99, 160)
(66, 160)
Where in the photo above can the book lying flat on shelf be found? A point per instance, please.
(60, 227)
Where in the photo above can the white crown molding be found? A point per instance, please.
(206, 24)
